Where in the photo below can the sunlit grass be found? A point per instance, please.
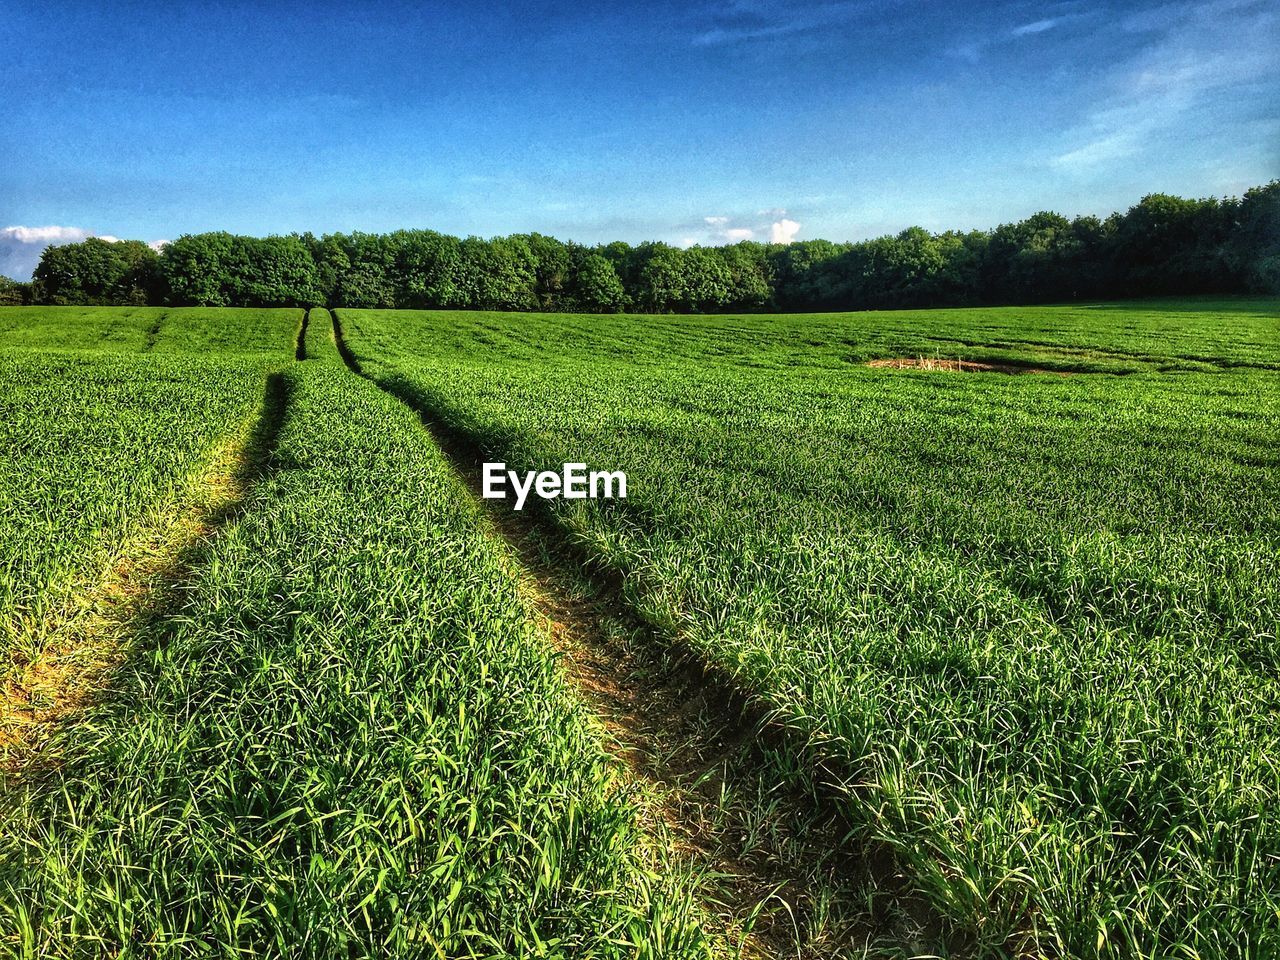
(1033, 618)
(350, 742)
(105, 434)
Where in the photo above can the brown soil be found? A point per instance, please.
(957, 366)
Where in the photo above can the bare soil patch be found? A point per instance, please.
(940, 365)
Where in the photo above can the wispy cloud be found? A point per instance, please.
(1038, 26)
(975, 47)
(1203, 53)
(742, 20)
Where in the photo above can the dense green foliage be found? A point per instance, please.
(1032, 618)
(105, 433)
(1162, 245)
(222, 270)
(96, 271)
(13, 293)
(350, 742)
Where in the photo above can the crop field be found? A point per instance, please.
(1030, 618)
(106, 417)
(350, 738)
(976, 649)
(185, 331)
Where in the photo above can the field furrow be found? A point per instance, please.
(105, 438)
(914, 660)
(91, 634)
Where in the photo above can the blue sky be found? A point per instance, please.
(687, 122)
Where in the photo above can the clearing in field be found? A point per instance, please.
(944, 365)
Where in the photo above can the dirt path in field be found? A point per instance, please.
(92, 633)
(780, 878)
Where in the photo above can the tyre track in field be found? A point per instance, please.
(782, 878)
(93, 633)
(300, 346)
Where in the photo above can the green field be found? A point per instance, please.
(1014, 634)
(106, 417)
(350, 737)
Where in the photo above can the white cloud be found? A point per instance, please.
(721, 229)
(158, 245)
(43, 235)
(783, 231)
(20, 247)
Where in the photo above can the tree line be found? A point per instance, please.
(1163, 245)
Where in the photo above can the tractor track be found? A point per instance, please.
(93, 633)
(781, 875)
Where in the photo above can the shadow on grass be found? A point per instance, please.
(96, 633)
